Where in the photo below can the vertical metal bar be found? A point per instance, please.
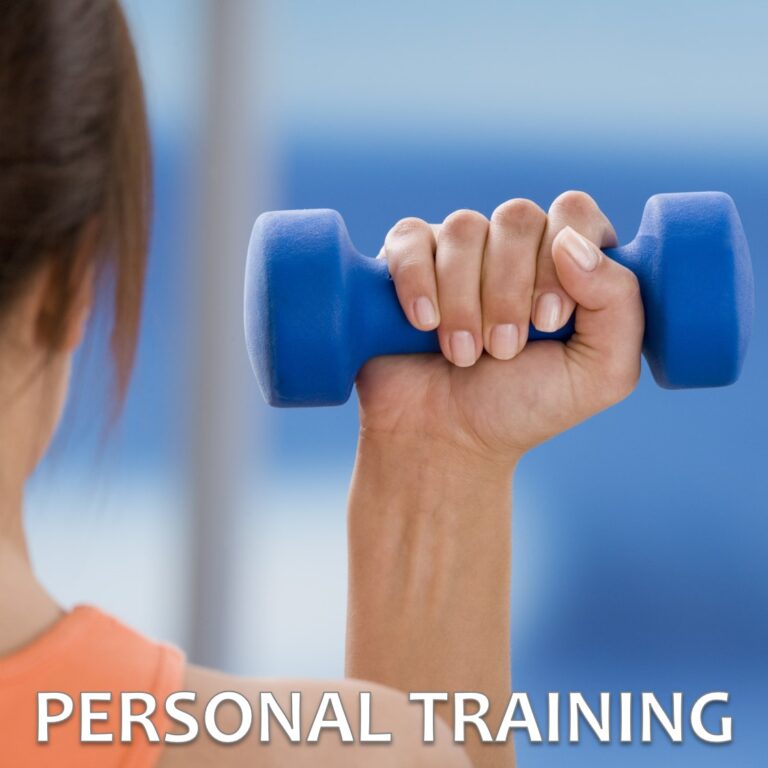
(220, 380)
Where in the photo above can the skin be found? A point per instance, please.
(430, 507)
(430, 504)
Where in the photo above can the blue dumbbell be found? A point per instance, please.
(316, 310)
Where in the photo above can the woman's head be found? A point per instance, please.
(74, 174)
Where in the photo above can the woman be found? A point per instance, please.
(429, 517)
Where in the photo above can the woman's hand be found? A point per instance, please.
(479, 283)
(429, 512)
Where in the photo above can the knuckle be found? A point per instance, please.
(518, 215)
(407, 227)
(511, 298)
(461, 312)
(464, 223)
(626, 287)
(406, 268)
(498, 309)
(546, 276)
(620, 380)
(575, 204)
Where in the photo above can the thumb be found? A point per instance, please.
(609, 321)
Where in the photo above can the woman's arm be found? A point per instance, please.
(429, 575)
(429, 518)
(390, 710)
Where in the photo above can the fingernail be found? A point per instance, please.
(425, 313)
(463, 352)
(548, 310)
(504, 341)
(582, 252)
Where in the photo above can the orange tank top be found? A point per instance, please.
(88, 651)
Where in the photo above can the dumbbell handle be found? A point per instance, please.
(383, 329)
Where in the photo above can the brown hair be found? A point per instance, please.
(74, 151)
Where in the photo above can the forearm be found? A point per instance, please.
(429, 574)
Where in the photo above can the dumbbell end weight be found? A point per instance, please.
(316, 310)
(692, 261)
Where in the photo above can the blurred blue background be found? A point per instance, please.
(215, 523)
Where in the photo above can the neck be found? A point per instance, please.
(15, 438)
(26, 609)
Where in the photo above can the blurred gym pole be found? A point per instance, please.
(229, 194)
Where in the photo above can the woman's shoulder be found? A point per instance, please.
(72, 682)
(62, 694)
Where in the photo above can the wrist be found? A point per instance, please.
(439, 515)
(434, 458)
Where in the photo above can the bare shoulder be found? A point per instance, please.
(323, 714)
